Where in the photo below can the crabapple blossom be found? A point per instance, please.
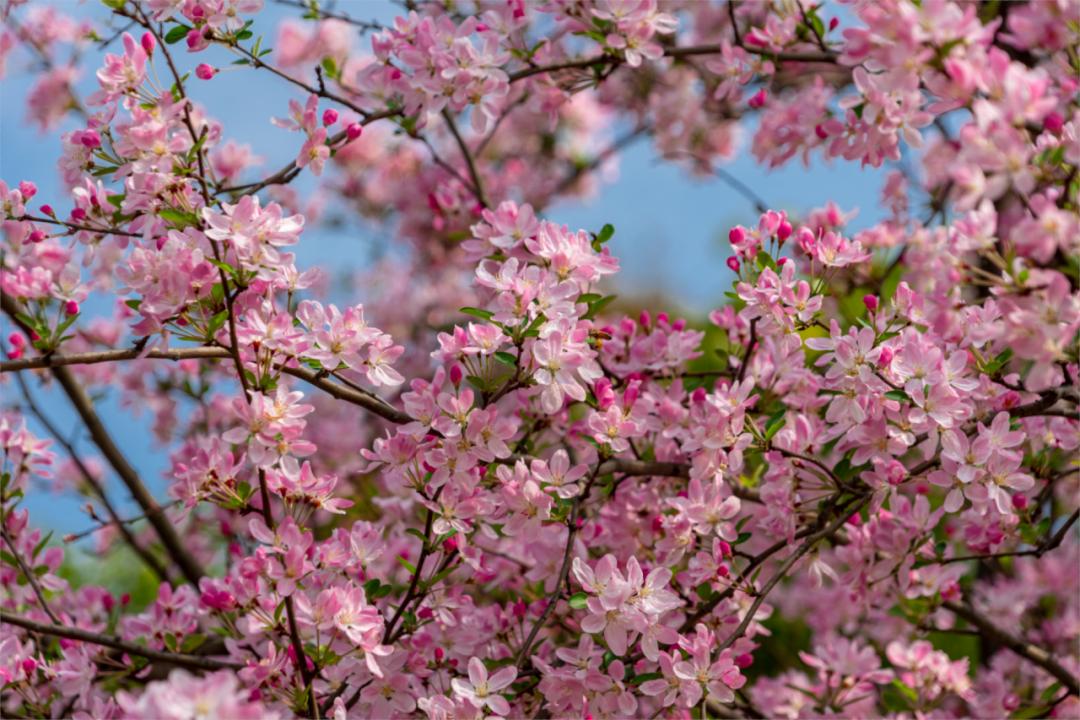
(466, 480)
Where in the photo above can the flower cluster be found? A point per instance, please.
(493, 489)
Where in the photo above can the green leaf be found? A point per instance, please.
(743, 537)
(603, 236)
(534, 327)
(406, 564)
(176, 34)
(597, 306)
(899, 395)
(578, 600)
(907, 692)
(704, 591)
(775, 423)
(192, 643)
(506, 358)
(329, 65)
(478, 313)
(217, 322)
(644, 677)
(179, 218)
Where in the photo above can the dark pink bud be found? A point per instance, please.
(678, 325)
(29, 665)
(758, 99)
(821, 132)
(205, 72)
(450, 544)
(36, 236)
(698, 396)
(78, 214)
(354, 131)
(605, 396)
(833, 23)
(47, 209)
(519, 608)
(16, 340)
(1019, 501)
(456, 375)
(657, 523)
(725, 549)
(1054, 123)
(885, 358)
(108, 602)
(871, 302)
(439, 654)
(329, 117)
(733, 263)
(737, 235)
(744, 661)
(90, 139)
(662, 318)
(425, 613)
(71, 307)
(27, 189)
(784, 231)
(125, 599)
(1011, 702)
(781, 262)
(723, 571)
(644, 319)
(148, 43)
(481, 27)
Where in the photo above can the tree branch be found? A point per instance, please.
(1021, 647)
(195, 662)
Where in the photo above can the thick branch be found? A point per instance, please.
(1019, 646)
(194, 662)
(187, 563)
(362, 398)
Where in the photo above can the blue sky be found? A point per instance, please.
(670, 228)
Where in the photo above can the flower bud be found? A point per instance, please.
(871, 302)
(196, 40)
(148, 43)
(439, 654)
(821, 132)
(737, 235)
(29, 665)
(885, 358)
(36, 236)
(329, 117)
(90, 139)
(784, 231)
(1054, 123)
(744, 661)
(47, 209)
(758, 99)
(733, 263)
(205, 72)
(456, 375)
(644, 319)
(27, 189)
(834, 23)
(71, 307)
(354, 131)
(1020, 501)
